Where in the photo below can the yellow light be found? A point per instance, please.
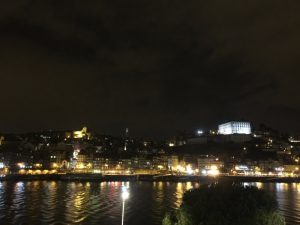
(21, 165)
(214, 167)
(180, 168)
(213, 172)
(160, 167)
(189, 170)
(171, 144)
(78, 134)
(22, 171)
(80, 166)
(259, 185)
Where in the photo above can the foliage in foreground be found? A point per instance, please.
(226, 204)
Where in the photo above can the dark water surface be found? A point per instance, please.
(55, 202)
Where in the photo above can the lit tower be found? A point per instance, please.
(126, 139)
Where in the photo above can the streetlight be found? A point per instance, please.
(125, 196)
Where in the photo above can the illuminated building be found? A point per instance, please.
(209, 165)
(235, 128)
(173, 162)
(80, 134)
(160, 162)
(84, 161)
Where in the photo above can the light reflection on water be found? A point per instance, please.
(55, 202)
(288, 199)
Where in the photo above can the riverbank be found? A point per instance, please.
(151, 178)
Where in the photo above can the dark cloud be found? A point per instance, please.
(153, 66)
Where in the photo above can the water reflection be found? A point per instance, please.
(41, 202)
(259, 185)
(181, 188)
(288, 199)
(78, 195)
(282, 187)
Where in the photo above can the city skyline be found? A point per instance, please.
(150, 112)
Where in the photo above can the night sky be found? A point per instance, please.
(153, 66)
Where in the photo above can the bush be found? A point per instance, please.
(226, 204)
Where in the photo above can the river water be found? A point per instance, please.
(59, 203)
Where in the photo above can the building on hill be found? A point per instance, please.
(234, 127)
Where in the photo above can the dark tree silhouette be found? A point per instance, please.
(226, 204)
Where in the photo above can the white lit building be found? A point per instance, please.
(235, 128)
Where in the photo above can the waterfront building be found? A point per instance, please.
(208, 163)
(291, 169)
(84, 161)
(160, 162)
(267, 166)
(57, 158)
(173, 162)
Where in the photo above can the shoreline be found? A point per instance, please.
(149, 178)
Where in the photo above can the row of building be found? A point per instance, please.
(204, 165)
(248, 153)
